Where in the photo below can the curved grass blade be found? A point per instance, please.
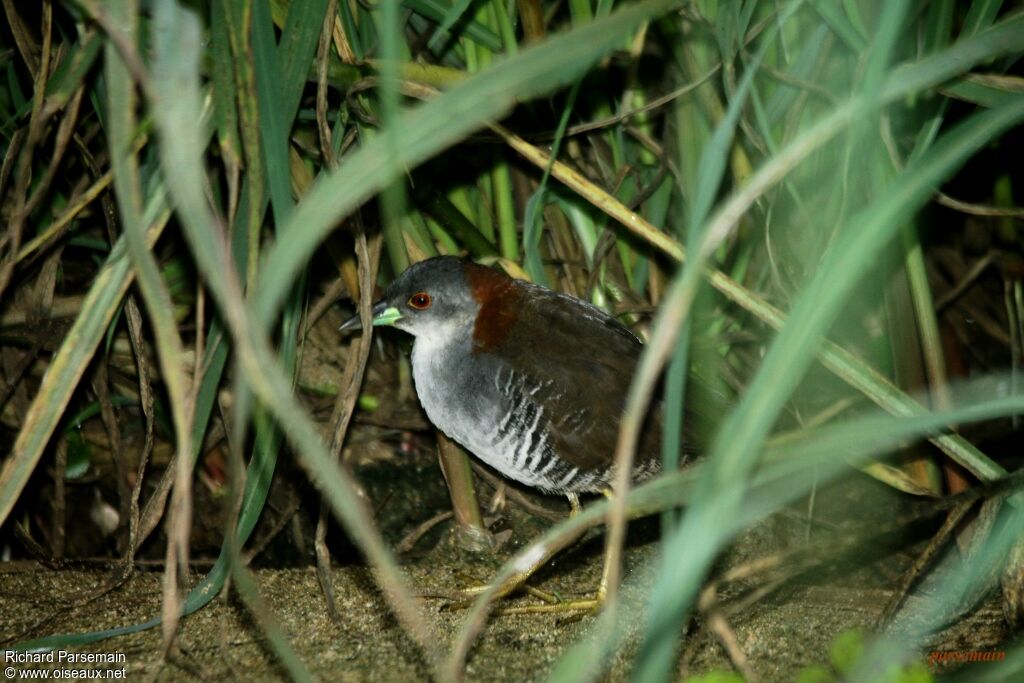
(432, 127)
(733, 453)
(68, 365)
(474, 30)
(790, 470)
(181, 155)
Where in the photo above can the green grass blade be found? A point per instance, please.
(66, 368)
(981, 15)
(733, 453)
(431, 127)
(182, 158)
(474, 30)
(788, 473)
(225, 102)
(274, 125)
(442, 35)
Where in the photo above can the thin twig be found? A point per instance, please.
(368, 258)
(978, 209)
(125, 46)
(937, 543)
(719, 625)
(322, 60)
(260, 544)
(515, 495)
(965, 282)
(23, 176)
(63, 222)
(101, 386)
(421, 530)
(60, 145)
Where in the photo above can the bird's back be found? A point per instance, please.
(567, 367)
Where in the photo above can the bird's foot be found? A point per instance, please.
(559, 606)
(586, 605)
(574, 504)
(551, 603)
(463, 598)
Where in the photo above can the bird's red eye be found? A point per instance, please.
(420, 301)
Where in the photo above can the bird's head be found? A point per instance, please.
(432, 298)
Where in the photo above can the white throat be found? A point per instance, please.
(428, 348)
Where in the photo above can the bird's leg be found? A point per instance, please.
(583, 604)
(537, 557)
(574, 504)
(611, 558)
(471, 532)
(530, 564)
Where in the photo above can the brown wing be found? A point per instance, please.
(580, 362)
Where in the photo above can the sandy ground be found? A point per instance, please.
(780, 634)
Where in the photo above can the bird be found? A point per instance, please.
(531, 381)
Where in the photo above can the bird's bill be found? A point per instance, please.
(382, 315)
